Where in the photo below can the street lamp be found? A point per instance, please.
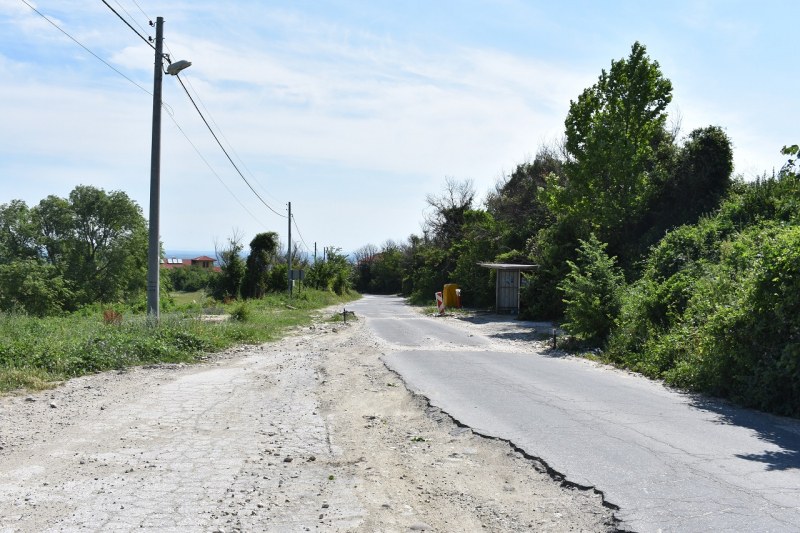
(154, 248)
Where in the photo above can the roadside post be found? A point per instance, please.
(440, 302)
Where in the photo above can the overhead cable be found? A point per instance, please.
(134, 19)
(215, 172)
(149, 93)
(222, 134)
(76, 41)
(142, 37)
(210, 129)
(300, 233)
(142, 11)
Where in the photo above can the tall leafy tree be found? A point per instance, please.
(613, 134)
(106, 254)
(446, 218)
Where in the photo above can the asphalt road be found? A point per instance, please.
(670, 461)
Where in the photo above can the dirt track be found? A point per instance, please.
(309, 433)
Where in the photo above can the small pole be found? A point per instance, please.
(289, 251)
(344, 315)
(555, 345)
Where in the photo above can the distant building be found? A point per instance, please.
(203, 261)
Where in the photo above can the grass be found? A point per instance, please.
(181, 298)
(35, 353)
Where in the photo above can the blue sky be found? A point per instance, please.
(355, 111)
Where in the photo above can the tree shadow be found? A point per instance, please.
(520, 331)
(780, 431)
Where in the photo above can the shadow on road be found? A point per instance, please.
(782, 432)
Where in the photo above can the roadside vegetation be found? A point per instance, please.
(72, 292)
(650, 253)
(36, 352)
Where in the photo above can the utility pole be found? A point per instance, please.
(154, 248)
(289, 251)
(315, 252)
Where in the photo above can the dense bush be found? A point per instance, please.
(192, 278)
(591, 292)
(334, 273)
(718, 306)
(32, 287)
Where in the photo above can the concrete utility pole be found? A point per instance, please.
(289, 251)
(154, 248)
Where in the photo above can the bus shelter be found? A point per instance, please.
(507, 287)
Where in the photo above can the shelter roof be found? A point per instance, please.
(508, 266)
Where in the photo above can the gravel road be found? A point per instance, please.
(311, 433)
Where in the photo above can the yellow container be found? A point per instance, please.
(450, 295)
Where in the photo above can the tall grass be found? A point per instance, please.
(35, 352)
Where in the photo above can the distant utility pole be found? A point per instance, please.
(289, 250)
(315, 253)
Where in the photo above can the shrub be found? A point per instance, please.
(591, 292)
(32, 287)
(241, 312)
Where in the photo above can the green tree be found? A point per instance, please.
(334, 273)
(387, 273)
(365, 258)
(263, 251)
(480, 243)
(613, 134)
(17, 232)
(191, 278)
(106, 251)
(515, 203)
(95, 241)
(53, 218)
(33, 287)
(698, 182)
(592, 292)
(447, 211)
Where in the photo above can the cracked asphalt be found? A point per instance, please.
(668, 461)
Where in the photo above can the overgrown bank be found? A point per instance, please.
(35, 352)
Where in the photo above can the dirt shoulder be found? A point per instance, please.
(309, 433)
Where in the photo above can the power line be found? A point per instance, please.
(76, 41)
(149, 93)
(222, 134)
(224, 150)
(299, 233)
(134, 19)
(142, 37)
(142, 11)
(173, 119)
(215, 172)
(198, 111)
